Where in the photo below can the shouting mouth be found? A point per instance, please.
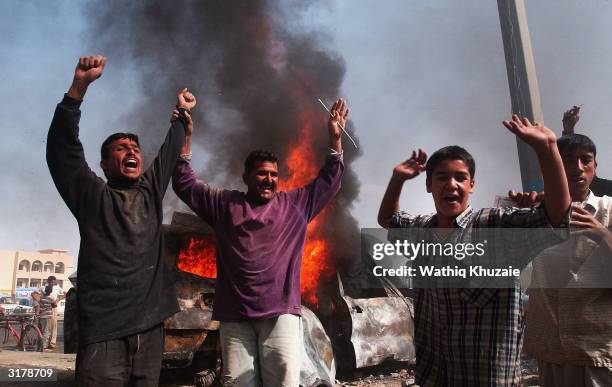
(452, 199)
(130, 164)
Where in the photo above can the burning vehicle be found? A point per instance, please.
(191, 336)
(340, 331)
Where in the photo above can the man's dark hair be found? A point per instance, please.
(51, 277)
(104, 150)
(256, 157)
(48, 289)
(572, 142)
(452, 152)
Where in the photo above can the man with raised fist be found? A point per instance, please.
(125, 291)
(260, 242)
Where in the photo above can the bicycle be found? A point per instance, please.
(7, 331)
(31, 338)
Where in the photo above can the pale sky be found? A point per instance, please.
(419, 74)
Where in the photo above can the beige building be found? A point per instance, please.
(22, 269)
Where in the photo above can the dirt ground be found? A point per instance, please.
(392, 374)
(388, 374)
(64, 365)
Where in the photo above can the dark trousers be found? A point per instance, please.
(129, 361)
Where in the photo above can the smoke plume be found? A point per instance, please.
(257, 80)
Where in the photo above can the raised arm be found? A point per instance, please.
(407, 170)
(544, 143)
(337, 121)
(570, 119)
(65, 157)
(185, 98)
(314, 197)
(163, 166)
(199, 196)
(87, 70)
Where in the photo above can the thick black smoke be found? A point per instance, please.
(254, 75)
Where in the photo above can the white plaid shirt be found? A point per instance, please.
(473, 337)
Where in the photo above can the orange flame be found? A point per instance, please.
(302, 162)
(199, 257)
(302, 165)
(317, 265)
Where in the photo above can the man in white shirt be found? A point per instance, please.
(569, 320)
(57, 294)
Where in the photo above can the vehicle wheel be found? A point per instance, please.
(8, 335)
(31, 338)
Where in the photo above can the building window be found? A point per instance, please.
(34, 283)
(24, 265)
(59, 267)
(49, 266)
(22, 282)
(37, 266)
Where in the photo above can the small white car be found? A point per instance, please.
(10, 305)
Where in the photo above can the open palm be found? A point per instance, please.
(411, 167)
(337, 120)
(536, 135)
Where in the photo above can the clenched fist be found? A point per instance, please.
(185, 99)
(89, 68)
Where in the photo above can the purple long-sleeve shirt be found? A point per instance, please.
(259, 247)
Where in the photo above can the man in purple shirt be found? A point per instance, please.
(260, 240)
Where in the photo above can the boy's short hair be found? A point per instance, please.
(572, 142)
(256, 157)
(452, 152)
(104, 150)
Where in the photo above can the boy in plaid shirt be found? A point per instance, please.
(473, 337)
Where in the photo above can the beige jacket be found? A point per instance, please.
(572, 322)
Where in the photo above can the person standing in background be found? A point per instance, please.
(57, 294)
(599, 186)
(44, 305)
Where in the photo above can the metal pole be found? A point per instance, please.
(524, 91)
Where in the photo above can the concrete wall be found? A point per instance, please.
(31, 268)
(7, 271)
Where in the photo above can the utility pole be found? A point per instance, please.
(524, 91)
